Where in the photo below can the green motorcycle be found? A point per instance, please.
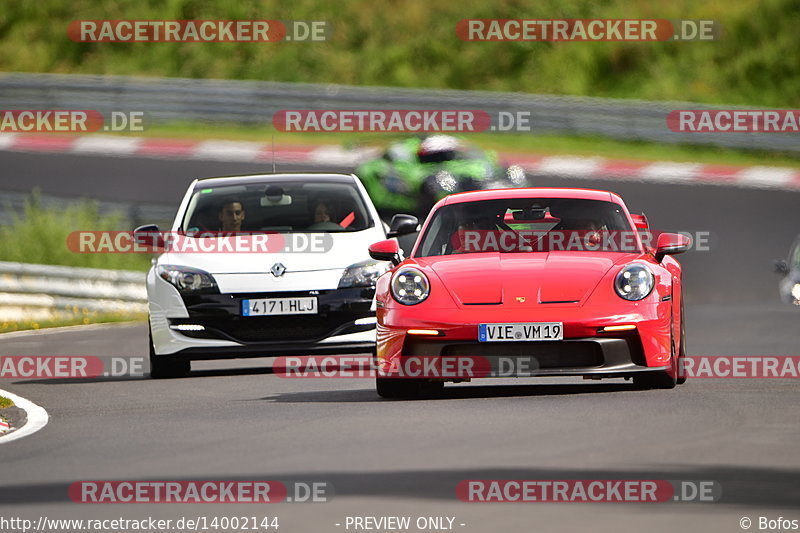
(413, 174)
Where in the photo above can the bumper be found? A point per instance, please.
(585, 351)
(601, 357)
(356, 343)
(211, 326)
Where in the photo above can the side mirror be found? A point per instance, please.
(781, 267)
(148, 235)
(640, 221)
(671, 244)
(387, 250)
(402, 225)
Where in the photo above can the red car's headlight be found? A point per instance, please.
(410, 286)
(634, 282)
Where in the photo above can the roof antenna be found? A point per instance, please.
(273, 154)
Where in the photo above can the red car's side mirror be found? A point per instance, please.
(640, 221)
(387, 250)
(671, 244)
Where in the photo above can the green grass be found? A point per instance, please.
(410, 43)
(39, 235)
(77, 320)
(518, 143)
(5, 402)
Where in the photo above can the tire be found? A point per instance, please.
(407, 388)
(164, 367)
(666, 379)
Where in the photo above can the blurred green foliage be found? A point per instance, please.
(39, 234)
(412, 43)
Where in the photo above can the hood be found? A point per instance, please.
(332, 251)
(540, 278)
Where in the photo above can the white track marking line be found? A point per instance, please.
(37, 418)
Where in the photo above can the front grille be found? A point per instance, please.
(267, 329)
(579, 354)
(251, 329)
(221, 316)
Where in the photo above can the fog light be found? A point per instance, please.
(365, 321)
(623, 327)
(431, 332)
(188, 327)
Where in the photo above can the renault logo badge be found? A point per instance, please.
(277, 270)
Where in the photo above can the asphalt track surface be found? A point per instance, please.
(237, 420)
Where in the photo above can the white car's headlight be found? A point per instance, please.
(634, 282)
(410, 286)
(186, 279)
(363, 274)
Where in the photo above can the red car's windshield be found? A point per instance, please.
(528, 225)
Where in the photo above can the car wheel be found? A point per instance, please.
(659, 380)
(407, 388)
(162, 367)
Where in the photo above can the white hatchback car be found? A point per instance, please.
(309, 289)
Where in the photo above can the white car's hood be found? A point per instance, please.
(252, 271)
(341, 250)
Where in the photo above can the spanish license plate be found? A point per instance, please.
(279, 306)
(527, 331)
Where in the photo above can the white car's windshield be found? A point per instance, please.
(284, 207)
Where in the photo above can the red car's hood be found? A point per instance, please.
(495, 278)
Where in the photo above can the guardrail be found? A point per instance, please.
(255, 102)
(29, 291)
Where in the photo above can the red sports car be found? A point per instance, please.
(530, 282)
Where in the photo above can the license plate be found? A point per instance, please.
(279, 306)
(528, 331)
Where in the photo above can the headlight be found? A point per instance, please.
(796, 294)
(410, 286)
(634, 282)
(516, 175)
(186, 279)
(446, 181)
(363, 274)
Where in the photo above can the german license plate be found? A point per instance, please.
(279, 306)
(527, 331)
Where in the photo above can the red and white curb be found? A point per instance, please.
(37, 418)
(211, 150)
(762, 177)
